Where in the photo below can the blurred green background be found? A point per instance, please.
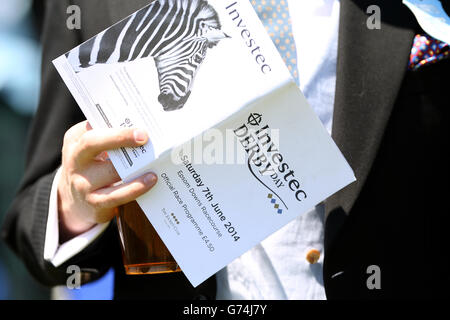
(19, 89)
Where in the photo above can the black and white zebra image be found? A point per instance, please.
(176, 33)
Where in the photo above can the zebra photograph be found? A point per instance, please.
(176, 33)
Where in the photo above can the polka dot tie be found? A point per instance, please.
(427, 50)
(275, 16)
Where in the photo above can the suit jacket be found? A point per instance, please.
(389, 123)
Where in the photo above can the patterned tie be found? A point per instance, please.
(427, 50)
(275, 16)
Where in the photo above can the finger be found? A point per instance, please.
(111, 197)
(101, 174)
(94, 142)
(76, 131)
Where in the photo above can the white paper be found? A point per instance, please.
(214, 199)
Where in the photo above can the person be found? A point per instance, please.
(383, 236)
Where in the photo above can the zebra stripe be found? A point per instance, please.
(176, 33)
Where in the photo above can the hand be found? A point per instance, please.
(89, 190)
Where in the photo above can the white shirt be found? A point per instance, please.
(277, 268)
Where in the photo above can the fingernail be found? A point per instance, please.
(150, 179)
(140, 135)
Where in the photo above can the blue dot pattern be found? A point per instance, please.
(427, 50)
(275, 16)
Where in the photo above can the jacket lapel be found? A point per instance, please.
(370, 69)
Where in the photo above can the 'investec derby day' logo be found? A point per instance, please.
(266, 162)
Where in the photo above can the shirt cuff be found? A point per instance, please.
(54, 252)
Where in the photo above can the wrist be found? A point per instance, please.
(70, 225)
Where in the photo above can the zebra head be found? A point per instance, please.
(178, 63)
